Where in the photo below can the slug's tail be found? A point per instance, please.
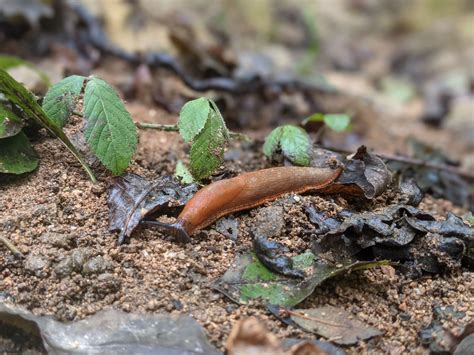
(177, 230)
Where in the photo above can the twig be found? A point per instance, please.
(161, 127)
(175, 128)
(428, 164)
(96, 37)
(11, 247)
(413, 161)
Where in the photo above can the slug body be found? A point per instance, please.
(243, 192)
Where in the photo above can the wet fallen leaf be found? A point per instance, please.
(270, 253)
(400, 233)
(113, 332)
(439, 183)
(457, 340)
(247, 279)
(364, 174)
(132, 198)
(336, 324)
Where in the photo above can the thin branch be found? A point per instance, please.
(97, 38)
(11, 247)
(427, 164)
(161, 127)
(413, 161)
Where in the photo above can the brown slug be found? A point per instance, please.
(243, 192)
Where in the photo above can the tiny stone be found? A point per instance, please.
(58, 240)
(79, 257)
(64, 267)
(95, 265)
(36, 264)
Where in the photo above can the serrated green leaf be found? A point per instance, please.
(295, 145)
(182, 173)
(193, 117)
(60, 99)
(337, 122)
(272, 142)
(17, 156)
(17, 94)
(10, 123)
(207, 151)
(9, 61)
(110, 131)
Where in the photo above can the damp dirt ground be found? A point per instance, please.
(73, 268)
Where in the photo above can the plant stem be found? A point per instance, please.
(174, 128)
(11, 247)
(161, 127)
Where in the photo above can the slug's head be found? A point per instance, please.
(177, 230)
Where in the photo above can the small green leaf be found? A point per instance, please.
(9, 61)
(315, 117)
(338, 122)
(59, 101)
(182, 173)
(272, 142)
(110, 131)
(17, 94)
(17, 156)
(293, 141)
(10, 123)
(193, 117)
(296, 145)
(207, 151)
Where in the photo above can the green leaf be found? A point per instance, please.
(182, 173)
(193, 117)
(272, 142)
(248, 278)
(293, 141)
(59, 101)
(9, 61)
(10, 123)
(110, 131)
(296, 145)
(17, 156)
(207, 150)
(338, 122)
(17, 94)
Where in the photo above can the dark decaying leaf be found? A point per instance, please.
(399, 233)
(323, 223)
(439, 183)
(270, 254)
(132, 198)
(411, 192)
(440, 340)
(247, 279)
(364, 174)
(113, 332)
(333, 323)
